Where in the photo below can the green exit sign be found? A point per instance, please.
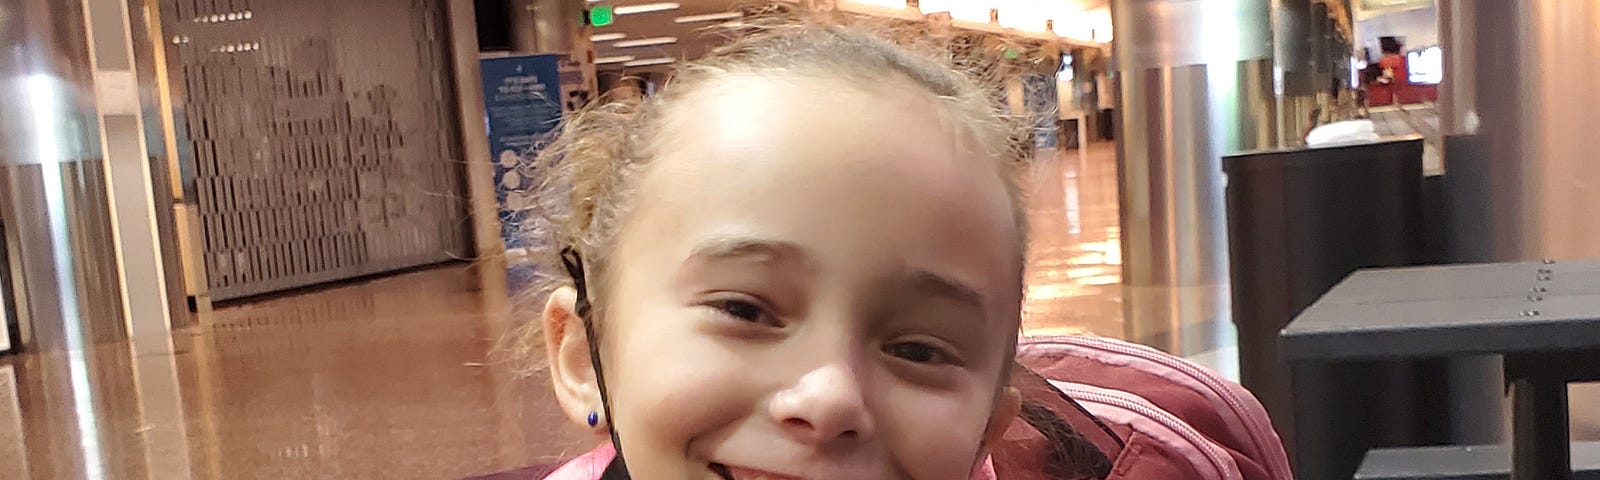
(602, 15)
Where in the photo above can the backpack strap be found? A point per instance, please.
(1065, 442)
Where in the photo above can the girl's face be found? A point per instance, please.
(820, 280)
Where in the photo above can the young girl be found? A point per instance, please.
(802, 259)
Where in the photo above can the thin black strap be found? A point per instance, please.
(1036, 377)
(615, 470)
(573, 262)
(1073, 456)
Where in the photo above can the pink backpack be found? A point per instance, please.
(1157, 416)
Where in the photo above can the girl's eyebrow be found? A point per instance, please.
(777, 251)
(936, 285)
(747, 248)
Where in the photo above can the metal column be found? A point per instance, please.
(546, 26)
(1195, 82)
(1531, 64)
(461, 16)
(1518, 94)
(141, 270)
(55, 212)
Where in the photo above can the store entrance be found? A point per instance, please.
(322, 139)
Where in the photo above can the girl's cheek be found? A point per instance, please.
(938, 435)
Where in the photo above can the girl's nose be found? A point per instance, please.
(823, 406)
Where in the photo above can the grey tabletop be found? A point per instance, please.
(1455, 310)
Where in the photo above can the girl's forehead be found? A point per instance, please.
(790, 109)
(885, 93)
(818, 155)
(822, 135)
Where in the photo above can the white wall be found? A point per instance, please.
(1419, 28)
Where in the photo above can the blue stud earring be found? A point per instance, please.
(594, 418)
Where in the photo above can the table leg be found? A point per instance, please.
(1540, 447)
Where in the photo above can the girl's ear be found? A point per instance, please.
(567, 343)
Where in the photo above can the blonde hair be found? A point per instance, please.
(585, 174)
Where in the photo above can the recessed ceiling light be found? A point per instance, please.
(883, 3)
(616, 59)
(606, 37)
(650, 61)
(645, 42)
(709, 17)
(646, 8)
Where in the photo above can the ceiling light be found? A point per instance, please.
(650, 61)
(709, 17)
(965, 10)
(616, 59)
(1026, 15)
(645, 42)
(1087, 26)
(646, 8)
(882, 3)
(606, 37)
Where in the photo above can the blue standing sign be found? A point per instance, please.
(522, 103)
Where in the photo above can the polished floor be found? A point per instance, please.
(393, 378)
(1074, 253)
(406, 377)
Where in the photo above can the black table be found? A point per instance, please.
(1543, 318)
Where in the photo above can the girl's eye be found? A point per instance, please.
(919, 352)
(745, 311)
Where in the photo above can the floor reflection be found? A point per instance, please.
(393, 378)
(1075, 268)
(1074, 253)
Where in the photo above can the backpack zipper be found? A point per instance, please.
(1219, 460)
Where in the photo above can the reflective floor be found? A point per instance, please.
(1074, 254)
(386, 379)
(398, 377)
(1075, 268)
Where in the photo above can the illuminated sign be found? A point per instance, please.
(602, 15)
